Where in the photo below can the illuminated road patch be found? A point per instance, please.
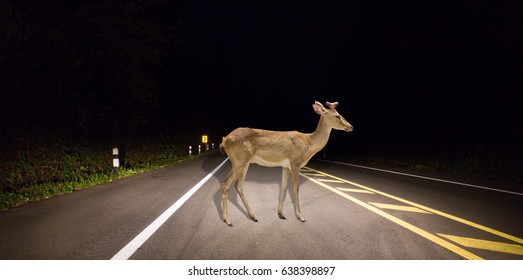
(452, 242)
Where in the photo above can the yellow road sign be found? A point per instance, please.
(204, 139)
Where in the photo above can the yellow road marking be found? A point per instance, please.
(353, 190)
(434, 211)
(486, 244)
(313, 174)
(330, 181)
(458, 250)
(399, 207)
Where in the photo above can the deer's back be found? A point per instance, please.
(267, 147)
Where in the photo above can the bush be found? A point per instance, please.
(41, 167)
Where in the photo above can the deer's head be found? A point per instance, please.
(331, 116)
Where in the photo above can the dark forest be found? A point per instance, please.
(432, 83)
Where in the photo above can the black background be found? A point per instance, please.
(417, 79)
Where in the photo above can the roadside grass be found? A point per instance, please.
(39, 191)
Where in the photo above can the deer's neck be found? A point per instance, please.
(320, 137)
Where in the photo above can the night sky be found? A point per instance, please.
(415, 78)
(420, 74)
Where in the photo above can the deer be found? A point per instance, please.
(290, 150)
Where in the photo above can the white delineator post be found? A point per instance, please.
(116, 160)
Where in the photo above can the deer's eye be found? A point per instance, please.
(338, 117)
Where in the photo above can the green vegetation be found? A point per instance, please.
(49, 166)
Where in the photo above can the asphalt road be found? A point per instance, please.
(351, 212)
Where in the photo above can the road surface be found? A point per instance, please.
(352, 213)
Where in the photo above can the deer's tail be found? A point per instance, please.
(222, 149)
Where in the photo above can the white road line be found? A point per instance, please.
(126, 252)
(424, 177)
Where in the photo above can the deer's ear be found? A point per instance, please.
(319, 109)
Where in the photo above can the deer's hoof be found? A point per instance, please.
(282, 217)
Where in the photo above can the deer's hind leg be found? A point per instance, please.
(235, 174)
(239, 189)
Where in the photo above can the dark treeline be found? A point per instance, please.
(76, 79)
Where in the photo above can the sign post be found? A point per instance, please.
(116, 160)
(205, 139)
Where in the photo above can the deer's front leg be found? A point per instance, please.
(295, 173)
(283, 191)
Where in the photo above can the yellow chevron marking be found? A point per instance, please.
(354, 190)
(313, 174)
(485, 244)
(330, 181)
(399, 207)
